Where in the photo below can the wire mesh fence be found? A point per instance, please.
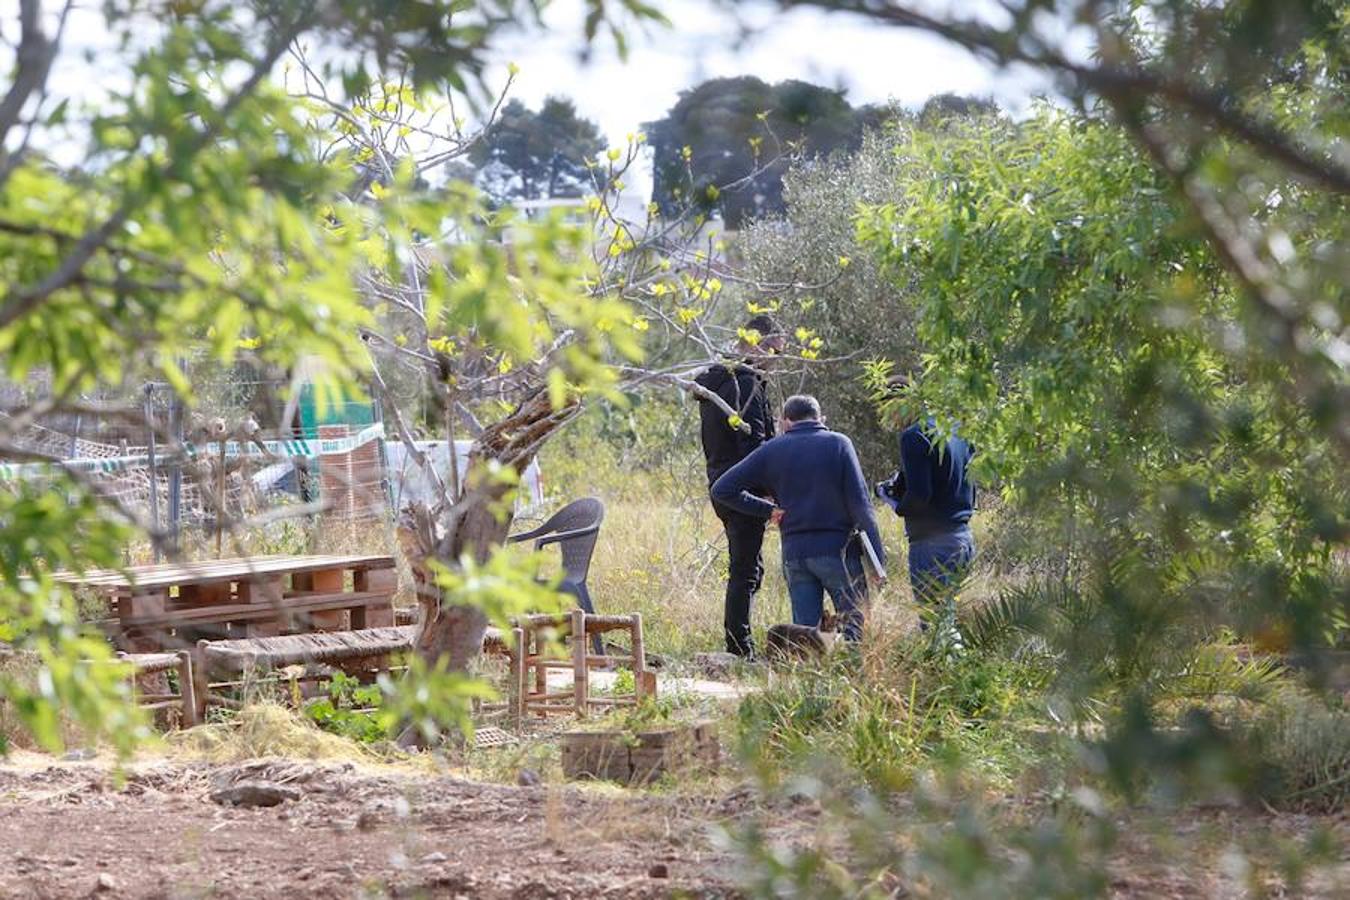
(179, 475)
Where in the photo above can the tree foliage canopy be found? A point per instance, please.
(542, 154)
(738, 133)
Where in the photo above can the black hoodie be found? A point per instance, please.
(745, 391)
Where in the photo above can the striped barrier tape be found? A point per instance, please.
(307, 449)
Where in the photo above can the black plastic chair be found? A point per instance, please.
(575, 528)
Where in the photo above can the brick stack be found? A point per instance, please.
(351, 483)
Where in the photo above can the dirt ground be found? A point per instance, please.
(72, 829)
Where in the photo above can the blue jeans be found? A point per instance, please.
(937, 566)
(808, 578)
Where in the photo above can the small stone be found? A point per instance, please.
(254, 793)
(432, 858)
(105, 883)
(716, 665)
(367, 820)
(528, 778)
(658, 870)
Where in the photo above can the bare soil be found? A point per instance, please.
(74, 831)
(77, 829)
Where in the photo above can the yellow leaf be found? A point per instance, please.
(557, 389)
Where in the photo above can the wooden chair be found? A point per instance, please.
(152, 687)
(536, 641)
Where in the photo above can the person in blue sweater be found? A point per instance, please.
(936, 497)
(808, 481)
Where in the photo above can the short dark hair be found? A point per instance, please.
(898, 384)
(764, 325)
(801, 408)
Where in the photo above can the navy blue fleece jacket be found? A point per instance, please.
(813, 475)
(938, 497)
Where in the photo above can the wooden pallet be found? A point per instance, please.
(166, 606)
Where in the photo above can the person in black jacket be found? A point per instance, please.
(726, 442)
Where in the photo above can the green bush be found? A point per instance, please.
(884, 714)
(1303, 748)
(349, 710)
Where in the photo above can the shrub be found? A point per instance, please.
(349, 710)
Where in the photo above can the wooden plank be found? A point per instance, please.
(579, 674)
(519, 687)
(268, 593)
(218, 570)
(240, 612)
(187, 688)
(385, 579)
(332, 581)
(374, 615)
(148, 603)
(191, 595)
(639, 650)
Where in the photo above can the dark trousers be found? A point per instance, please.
(745, 538)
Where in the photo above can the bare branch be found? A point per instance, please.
(1207, 103)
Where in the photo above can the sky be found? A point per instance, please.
(872, 62)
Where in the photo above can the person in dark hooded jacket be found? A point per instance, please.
(743, 388)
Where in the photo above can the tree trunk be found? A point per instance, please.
(470, 528)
